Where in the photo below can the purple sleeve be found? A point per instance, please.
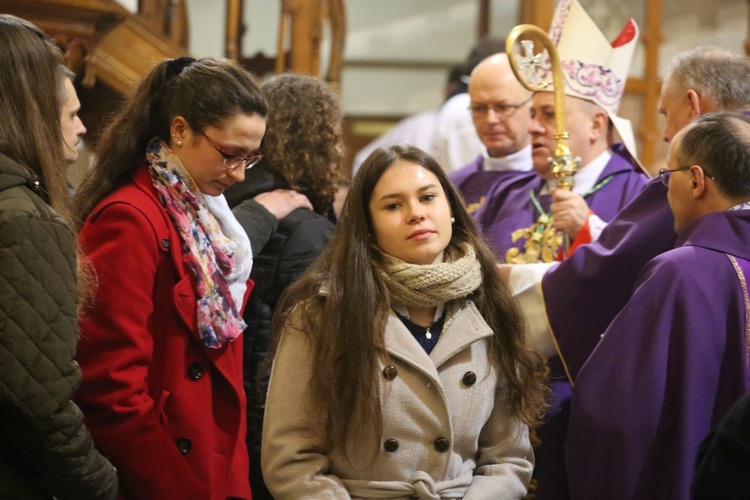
(584, 293)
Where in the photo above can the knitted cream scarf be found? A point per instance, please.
(433, 284)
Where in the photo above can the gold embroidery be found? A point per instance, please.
(743, 284)
(542, 243)
(473, 207)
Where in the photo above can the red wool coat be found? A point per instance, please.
(166, 410)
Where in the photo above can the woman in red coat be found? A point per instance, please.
(162, 363)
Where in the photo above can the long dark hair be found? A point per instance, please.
(347, 324)
(30, 133)
(207, 92)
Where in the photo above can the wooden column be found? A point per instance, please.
(652, 38)
(537, 12)
(303, 16)
(233, 27)
(483, 24)
(337, 17)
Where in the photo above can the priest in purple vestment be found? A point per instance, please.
(569, 306)
(525, 217)
(675, 359)
(499, 108)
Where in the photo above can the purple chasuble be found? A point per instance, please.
(474, 182)
(667, 369)
(509, 206)
(584, 293)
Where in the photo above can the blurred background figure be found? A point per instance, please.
(302, 150)
(45, 449)
(416, 130)
(499, 108)
(456, 143)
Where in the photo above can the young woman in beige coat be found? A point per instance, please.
(401, 369)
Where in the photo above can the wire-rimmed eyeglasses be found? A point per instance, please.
(502, 110)
(234, 161)
(665, 173)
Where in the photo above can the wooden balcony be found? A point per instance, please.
(104, 42)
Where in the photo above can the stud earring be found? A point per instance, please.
(453, 220)
(177, 141)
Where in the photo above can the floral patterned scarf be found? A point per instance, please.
(208, 253)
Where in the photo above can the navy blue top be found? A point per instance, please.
(420, 332)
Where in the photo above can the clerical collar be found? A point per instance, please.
(520, 161)
(586, 177)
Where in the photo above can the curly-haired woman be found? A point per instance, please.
(302, 151)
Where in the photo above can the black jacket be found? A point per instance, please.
(281, 253)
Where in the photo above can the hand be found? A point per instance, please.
(569, 212)
(282, 202)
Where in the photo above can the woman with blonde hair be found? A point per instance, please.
(401, 369)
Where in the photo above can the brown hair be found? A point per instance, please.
(720, 143)
(303, 140)
(30, 106)
(354, 312)
(207, 92)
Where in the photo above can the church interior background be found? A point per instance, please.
(389, 58)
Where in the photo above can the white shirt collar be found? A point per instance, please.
(520, 161)
(586, 177)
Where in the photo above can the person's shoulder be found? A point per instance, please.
(304, 226)
(462, 173)
(512, 183)
(133, 205)
(676, 267)
(21, 204)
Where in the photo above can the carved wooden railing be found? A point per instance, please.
(299, 38)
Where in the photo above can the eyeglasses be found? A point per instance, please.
(502, 110)
(233, 161)
(665, 173)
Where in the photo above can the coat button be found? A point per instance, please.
(165, 243)
(390, 445)
(469, 378)
(184, 445)
(390, 372)
(195, 371)
(442, 444)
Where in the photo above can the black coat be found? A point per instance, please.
(724, 457)
(282, 251)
